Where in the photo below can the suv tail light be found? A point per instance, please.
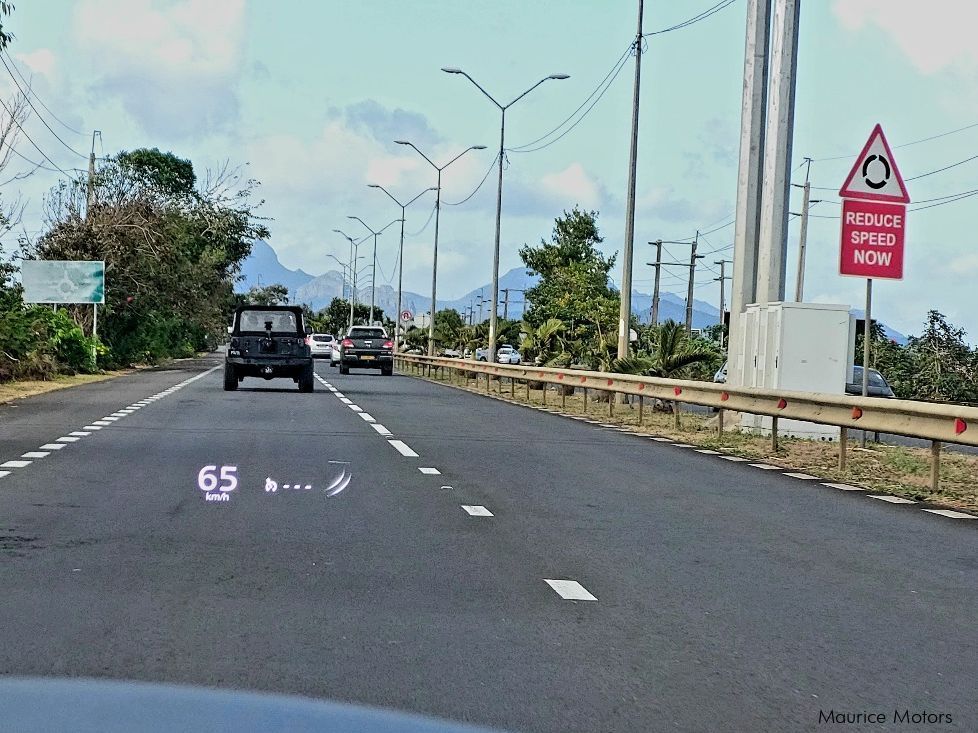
(347, 342)
(388, 344)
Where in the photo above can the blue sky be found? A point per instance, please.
(311, 94)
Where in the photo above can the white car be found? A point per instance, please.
(321, 345)
(334, 354)
(508, 355)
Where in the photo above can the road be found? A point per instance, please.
(726, 597)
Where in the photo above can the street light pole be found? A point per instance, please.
(373, 275)
(434, 260)
(354, 246)
(400, 256)
(499, 195)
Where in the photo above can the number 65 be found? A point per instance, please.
(207, 478)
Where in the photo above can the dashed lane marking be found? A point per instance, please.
(708, 452)
(15, 464)
(950, 513)
(477, 510)
(892, 499)
(682, 445)
(766, 466)
(79, 433)
(68, 439)
(842, 487)
(381, 429)
(736, 459)
(36, 454)
(101, 423)
(429, 471)
(53, 446)
(570, 590)
(659, 440)
(401, 447)
(4, 473)
(804, 476)
(93, 427)
(355, 408)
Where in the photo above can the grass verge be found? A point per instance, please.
(898, 470)
(10, 391)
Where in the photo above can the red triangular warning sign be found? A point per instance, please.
(875, 175)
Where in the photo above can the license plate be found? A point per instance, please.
(368, 358)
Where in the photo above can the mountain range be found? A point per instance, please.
(262, 267)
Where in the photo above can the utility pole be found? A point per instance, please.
(625, 312)
(692, 277)
(773, 236)
(751, 165)
(723, 295)
(803, 237)
(507, 291)
(90, 193)
(654, 318)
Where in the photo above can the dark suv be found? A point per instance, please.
(269, 341)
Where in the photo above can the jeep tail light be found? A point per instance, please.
(388, 344)
(347, 342)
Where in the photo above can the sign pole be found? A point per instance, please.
(867, 342)
(94, 334)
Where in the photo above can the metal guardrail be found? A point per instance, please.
(939, 423)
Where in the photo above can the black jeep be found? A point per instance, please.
(268, 341)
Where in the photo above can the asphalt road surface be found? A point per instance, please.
(597, 581)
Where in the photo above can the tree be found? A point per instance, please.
(163, 171)
(335, 318)
(574, 286)
(940, 366)
(673, 354)
(275, 294)
(544, 344)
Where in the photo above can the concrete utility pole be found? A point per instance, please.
(507, 291)
(723, 299)
(90, 192)
(692, 278)
(654, 317)
(803, 237)
(752, 126)
(775, 188)
(625, 312)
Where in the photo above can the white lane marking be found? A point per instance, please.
(101, 423)
(606, 425)
(52, 446)
(340, 395)
(68, 439)
(15, 464)
(477, 511)
(570, 590)
(682, 445)
(734, 458)
(766, 466)
(381, 429)
(659, 440)
(401, 447)
(4, 473)
(346, 400)
(79, 433)
(806, 476)
(950, 513)
(429, 471)
(355, 408)
(842, 487)
(708, 452)
(367, 416)
(892, 499)
(93, 427)
(36, 454)
(118, 414)
(110, 418)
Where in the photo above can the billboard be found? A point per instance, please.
(63, 281)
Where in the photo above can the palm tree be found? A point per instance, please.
(544, 345)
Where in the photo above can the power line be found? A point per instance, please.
(29, 139)
(597, 99)
(488, 171)
(586, 100)
(904, 145)
(941, 170)
(430, 216)
(695, 19)
(41, 118)
(38, 98)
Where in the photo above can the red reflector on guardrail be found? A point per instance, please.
(677, 390)
(583, 379)
(724, 396)
(641, 387)
(610, 382)
(856, 413)
(560, 376)
(959, 426)
(782, 403)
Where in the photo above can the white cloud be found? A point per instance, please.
(575, 185)
(175, 68)
(39, 61)
(934, 35)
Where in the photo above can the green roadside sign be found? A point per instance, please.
(63, 281)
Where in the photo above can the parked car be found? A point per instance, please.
(321, 345)
(878, 386)
(451, 354)
(482, 354)
(508, 355)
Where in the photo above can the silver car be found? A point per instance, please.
(321, 345)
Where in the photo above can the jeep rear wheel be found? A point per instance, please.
(344, 369)
(230, 378)
(387, 371)
(306, 379)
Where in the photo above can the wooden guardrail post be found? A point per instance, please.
(544, 391)
(563, 398)
(512, 387)
(843, 446)
(585, 400)
(720, 424)
(612, 396)
(527, 390)
(675, 415)
(935, 465)
(774, 434)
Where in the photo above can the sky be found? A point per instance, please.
(311, 94)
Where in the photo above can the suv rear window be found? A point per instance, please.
(256, 320)
(367, 333)
(322, 337)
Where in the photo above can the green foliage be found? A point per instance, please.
(574, 287)
(545, 344)
(666, 350)
(163, 171)
(6, 8)
(274, 294)
(335, 318)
